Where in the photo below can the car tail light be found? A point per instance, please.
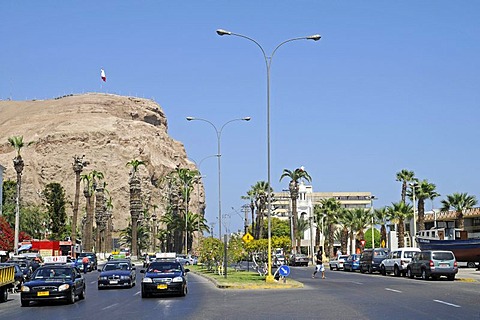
(431, 263)
(455, 264)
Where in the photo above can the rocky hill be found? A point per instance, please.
(109, 130)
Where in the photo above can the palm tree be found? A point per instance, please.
(135, 201)
(78, 165)
(347, 220)
(258, 194)
(187, 177)
(423, 191)
(90, 185)
(251, 197)
(330, 207)
(399, 212)
(302, 226)
(360, 222)
(17, 143)
(405, 177)
(294, 177)
(460, 202)
(382, 216)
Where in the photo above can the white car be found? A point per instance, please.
(397, 261)
(337, 264)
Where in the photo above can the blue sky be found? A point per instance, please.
(390, 86)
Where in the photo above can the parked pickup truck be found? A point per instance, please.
(337, 263)
(7, 280)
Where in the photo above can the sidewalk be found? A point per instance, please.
(468, 275)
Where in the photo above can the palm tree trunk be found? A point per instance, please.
(135, 210)
(383, 232)
(73, 236)
(460, 221)
(88, 236)
(294, 222)
(331, 239)
(401, 233)
(421, 214)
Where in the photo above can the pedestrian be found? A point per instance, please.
(85, 262)
(319, 268)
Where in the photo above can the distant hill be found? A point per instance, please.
(109, 130)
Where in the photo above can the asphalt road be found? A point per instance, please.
(342, 295)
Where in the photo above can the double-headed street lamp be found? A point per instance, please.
(219, 136)
(268, 62)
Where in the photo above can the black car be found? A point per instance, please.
(92, 257)
(117, 273)
(164, 277)
(371, 258)
(24, 265)
(53, 282)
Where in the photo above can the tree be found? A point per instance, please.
(8, 201)
(142, 237)
(361, 220)
(405, 177)
(258, 193)
(90, 181)
(382, 216)
(78, 165)
(17, 143)
(330, 207)
(293, 187)
(347, 220)
(460, 202)
(55, 203)
(135, 200)
(6, 235)
(399, 212)
(423, 191)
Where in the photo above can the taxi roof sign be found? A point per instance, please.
(55, 259)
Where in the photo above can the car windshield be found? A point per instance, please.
(164, 267)
(380, 253)
(116, 266)
(442, 256)
(53, 273)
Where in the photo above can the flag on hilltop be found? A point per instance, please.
(102, 74)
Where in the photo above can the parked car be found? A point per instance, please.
(117, 273)
(352, 263)
(298, 259)
(164, 277)
(397, 261)
(338, 262)
(433, 263)
(191, 260)
(371, 259)
(53, 282)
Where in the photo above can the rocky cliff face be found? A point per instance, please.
(109, 130)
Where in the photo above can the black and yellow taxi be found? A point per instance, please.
(53, 282)
(164, 277)
(117, 273)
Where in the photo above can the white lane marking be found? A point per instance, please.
(360, 283)
(110, 306)
(448, 304)
(393, 290)
(93, 282)
(136, 294)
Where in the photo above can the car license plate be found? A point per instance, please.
(113, 281)
(444, 265)
(43, 293)
(162, 286)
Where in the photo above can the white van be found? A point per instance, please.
(397, 261)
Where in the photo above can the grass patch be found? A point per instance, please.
(242, 279)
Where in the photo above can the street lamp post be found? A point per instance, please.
(219, 135)
(154, 231)
(268, 62)
(372, 211)
(414, 245)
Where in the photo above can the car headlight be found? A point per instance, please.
(25, 289)
(102, 278)
(177, 279)
(63, 287)
(147, 280)
(124, 277)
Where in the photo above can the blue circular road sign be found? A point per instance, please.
(284, 271)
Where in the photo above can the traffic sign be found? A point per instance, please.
(247, 237)
(284, 271)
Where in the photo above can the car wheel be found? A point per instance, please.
(25, 303)
(383, 271)
(3, 294)
(424, 275)
(396, 271)
(184, 291)
(81, 296)
(144, 294)
(451, 277)
(370, 269)
(71, 296)
(409, 273)
(361, 270)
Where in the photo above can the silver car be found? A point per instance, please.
(434, 264)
